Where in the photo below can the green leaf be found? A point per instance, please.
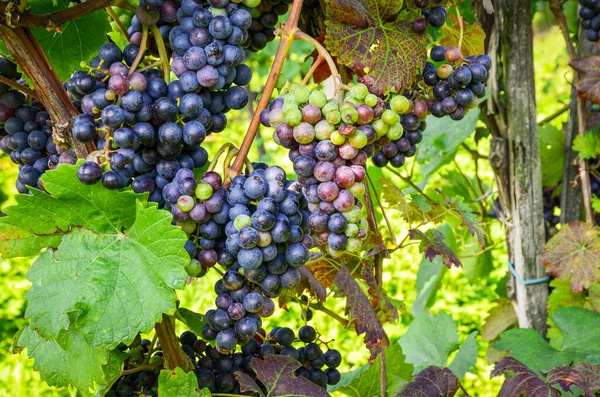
(580, 330)
(432, 244)
(38, 220)
(364, 382)
(442, 138)
(178, 383)
(68, 360)
(413, 208)
(466, 357)
(587, 145)
(192, 320)
(596, 203)
(430, 339)
(498, 320)
(563, 296)
(94, 279)
(552, 154)
(78, 40)
(429, 280)
(370, 37)
(574, 252)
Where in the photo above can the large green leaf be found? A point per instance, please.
(364, 382)
(430, 339)
(109, 285)
(78, 40)
(580, 331)
(178, 383)
(68, 360)
(39, 220)
(552, 154)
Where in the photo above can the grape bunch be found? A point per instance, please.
(265, 16)
(590, 19)
(25, 134)
(455, 88)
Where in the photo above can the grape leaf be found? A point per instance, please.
(430, 340)
(75, 41)
(192, 320)
(38, 220)
(466, 357)
(414, 211)
(313, 284)
(93, 279)
(498, 320)
(563, 296)
(473, 36)
(364, 382)
(431, 382)
(467, 216)
(596, 203)
(178, 383)
(588, 145)
(369, 36)
(429, 281)
(361, 314)
(432, 243)
(386, 311)
(574, 251)
(566, 377)
(69, 359)
(552, 154)
(324, 269)
(579, 328)
(589, 77)
(590, 374)
(521, 381)
(276, 375)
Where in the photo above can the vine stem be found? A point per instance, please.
(19, 87)
(141, 368)
(174, 356)
(141, 51)
(162, 53)
(385, 217)
(287, 38)
(586, 189)
(215, 160)
(460, 25)
(314, 67)
(116, 19)
(382, 374)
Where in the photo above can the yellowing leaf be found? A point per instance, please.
(473, 36)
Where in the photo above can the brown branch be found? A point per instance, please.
(556, 7)
(174, 356)
(320, 307)
(54, 20)
(28, 54)
(19, 87)
(117, 21)
(287, 37)
(314, 67)
(554, 115)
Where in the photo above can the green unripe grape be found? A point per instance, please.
(186, 203)
(337, 138)
(203, 191)
(293, 117)
(380, 127)
(255, 12)
(292, 88)
(371, 100)
(276, 138)
(280, 83)
(323, 130)
(276, 117)
(363, 224)
(330, 106)
(353, 245)
(351, 230)
(218, 11)
(334, 253)
(444, 71)
(349, 115)
(188, 226)
(110, 95)
(302, 94)
(264, 239)
(241, 221)
(333, 117)
(400, 104)
(287, 106)
(359, 91)
(350, 102)
(304, 133)
(395, 131)
(357, 189)
(352, 215)
(358, 139)
(136, 354)
(317, 98)
(390, 117)
(194, 268)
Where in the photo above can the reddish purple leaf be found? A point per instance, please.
(521, 381)
(431, 382)
(277, 378)
(565, 377)
(386, 312)
(574, 251)
(324, 269)
(361, 313)
(432, 243)
(589, 77)
(370, 37)
(590, 374)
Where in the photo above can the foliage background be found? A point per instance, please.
(467, 294)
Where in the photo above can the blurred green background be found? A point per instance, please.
(466, 294)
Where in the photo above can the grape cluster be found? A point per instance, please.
(265, 16)
(25, 134)
(590, 19)
(144, 129)
(455, 89)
